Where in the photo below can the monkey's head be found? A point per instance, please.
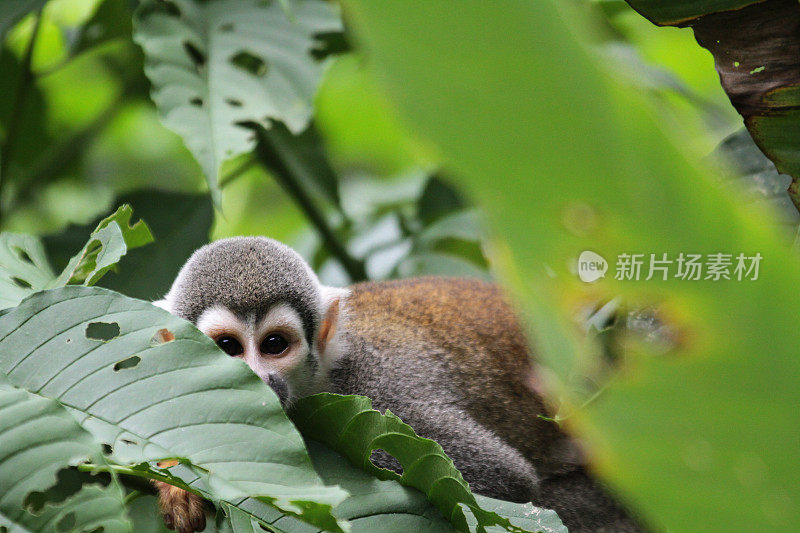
(261, 302)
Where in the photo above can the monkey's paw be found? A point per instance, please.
(182, 510)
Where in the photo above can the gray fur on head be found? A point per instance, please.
(247, 275)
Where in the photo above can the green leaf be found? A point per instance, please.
(702, 438)
(23, 268)
(112, 239)
(216, 64)
(40, 440)
(183, 399)
(11, 11)
(180, 223)
(349, 425)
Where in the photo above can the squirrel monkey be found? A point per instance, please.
(446, 355)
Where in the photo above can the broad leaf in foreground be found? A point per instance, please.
(154, 387)
(216, 64)
(24, 268)
(349, 425)
(40, 440)
(704, 437)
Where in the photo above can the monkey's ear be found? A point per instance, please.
(328, 329)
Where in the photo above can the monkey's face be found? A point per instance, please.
(274, 345)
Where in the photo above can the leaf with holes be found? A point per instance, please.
(23, 268)
(112, 239)
(349, 425)
(40, 443)
(218, 63)
(183, 398)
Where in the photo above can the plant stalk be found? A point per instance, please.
(273, 160)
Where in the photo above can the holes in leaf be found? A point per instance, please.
(68, 482)
(196, 101)
(130, 362)
(162, 336)
(194, 53)
(383, 459)
(19, 282)
(233, 102)
(329, 43)
(227, 27)
(249, 62)
(167, 463)
(23, 255)
(102, 331)
(107, 449)
(129, 442)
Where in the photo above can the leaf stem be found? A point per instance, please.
(23, 85)
(237, 172)
(274, 160)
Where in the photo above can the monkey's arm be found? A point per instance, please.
(492, 467)
(182, 510)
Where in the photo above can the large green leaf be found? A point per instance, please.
(40, 440)
(702, 438)
(107, 244)
(24, 268)
(216, 64)
(104, 357)
(349, 425)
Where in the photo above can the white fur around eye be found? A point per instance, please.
(282, 318)
(218, 319)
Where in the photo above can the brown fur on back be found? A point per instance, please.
(470, 328)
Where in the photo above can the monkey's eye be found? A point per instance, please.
(274, 344)
(230, 345)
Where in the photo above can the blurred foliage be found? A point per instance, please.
(673, 426)
(227, 117)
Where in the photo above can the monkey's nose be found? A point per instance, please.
(278, 384)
